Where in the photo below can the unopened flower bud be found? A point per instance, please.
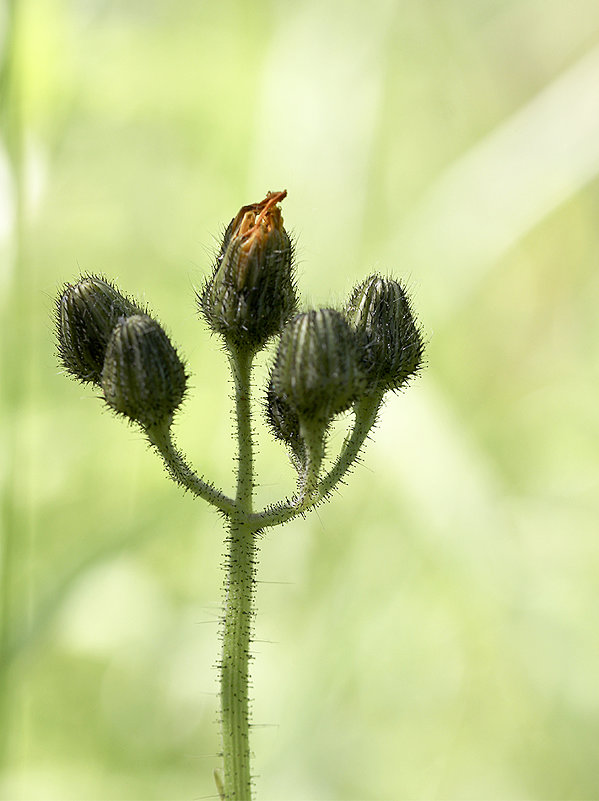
(86, 313)
(391, 344)
(316, 371)
(143, 377)
(283, 421)
(251, 293)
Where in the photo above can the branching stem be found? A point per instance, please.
(240, 564)
(160, 437)
(365, 412)
(325, 360)
(239, 585)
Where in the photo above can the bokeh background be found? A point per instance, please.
(432, 633)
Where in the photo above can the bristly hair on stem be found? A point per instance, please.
(327, 362)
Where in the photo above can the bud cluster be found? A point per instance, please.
(326, 360)
(107, 339)
(86, 314)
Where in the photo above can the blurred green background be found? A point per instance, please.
(432, 633)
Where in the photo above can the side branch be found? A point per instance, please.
(181, 473)
(365, 412)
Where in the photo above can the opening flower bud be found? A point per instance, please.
(316, 371)
(143, 377)
(251, 293)
(391, 344)
(86, 313)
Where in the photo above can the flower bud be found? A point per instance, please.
(86, 313)
(283, 421)
(391, 344)
(251, 293)
(316, 371)
(143, 377)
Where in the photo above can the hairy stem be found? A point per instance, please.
(238, 596)
(160, 438)
(241, 368)
(313, 438)
(239, 586)
(365, 411)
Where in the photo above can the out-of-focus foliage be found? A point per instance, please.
(432, 632)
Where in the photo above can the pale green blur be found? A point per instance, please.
(433, 632)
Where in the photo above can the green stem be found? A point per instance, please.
(365, 411)
(238, 596)
(160, 438)
(241, 368)
(241, 567)
(313, 437)
(235, 723)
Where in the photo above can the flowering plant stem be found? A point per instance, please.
(240, 562)
(239, 584)
(327, 362)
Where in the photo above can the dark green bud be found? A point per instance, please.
(251, 293)
(283, 422)
(316, 371)
(143, 377)
(391, 343)
(86, 313)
